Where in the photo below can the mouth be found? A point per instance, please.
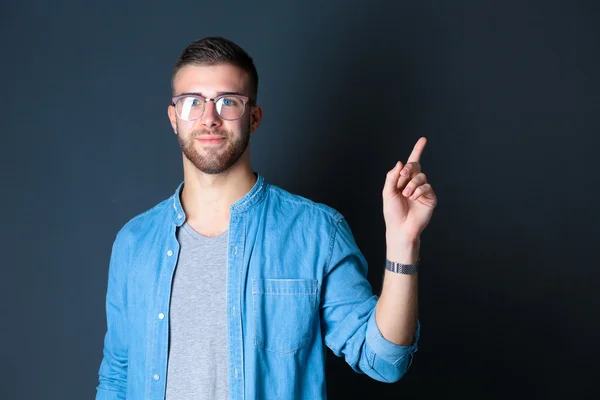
(210, 139)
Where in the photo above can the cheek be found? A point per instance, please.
(234, 127)
(184, 130)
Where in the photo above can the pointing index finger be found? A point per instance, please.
(415, 156)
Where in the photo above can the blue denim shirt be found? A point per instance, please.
(296, 281)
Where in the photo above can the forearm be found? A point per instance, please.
(397, 308)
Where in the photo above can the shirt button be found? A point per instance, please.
(235, 371)
(235, 250)
(169, 253)
(161, 316)
(233, 311)
(156, 377)
(179, 216)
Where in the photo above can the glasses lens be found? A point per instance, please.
(230, 107)
(190, 108)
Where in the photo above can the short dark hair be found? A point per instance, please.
(215, 51)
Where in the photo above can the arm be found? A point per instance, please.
(349, 314)
(398, 304)
(380, 337)
(113, 369)
(408, 204)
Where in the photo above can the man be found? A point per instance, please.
(232, 287)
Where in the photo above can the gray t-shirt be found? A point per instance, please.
(197, 363)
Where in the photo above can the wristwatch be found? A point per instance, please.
(398, 268)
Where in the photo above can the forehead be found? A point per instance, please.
(211, 79)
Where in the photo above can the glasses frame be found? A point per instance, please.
(244, 99)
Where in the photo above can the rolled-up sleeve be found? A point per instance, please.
(390, 360)
(348, 314)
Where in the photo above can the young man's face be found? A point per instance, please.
(210, 142)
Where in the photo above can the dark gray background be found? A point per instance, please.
(507, 94)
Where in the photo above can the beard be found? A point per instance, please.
(215, 161)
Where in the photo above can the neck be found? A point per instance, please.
(206, 198)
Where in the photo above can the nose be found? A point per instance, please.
(210, 117)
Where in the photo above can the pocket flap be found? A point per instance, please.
(284, 286)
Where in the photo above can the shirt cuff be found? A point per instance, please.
(383, 348)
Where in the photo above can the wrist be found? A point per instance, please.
(403, 251)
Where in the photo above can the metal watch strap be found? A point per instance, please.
(398, 268)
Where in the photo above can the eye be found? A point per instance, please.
(228, 102)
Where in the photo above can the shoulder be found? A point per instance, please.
(295, 203)
(141, 223)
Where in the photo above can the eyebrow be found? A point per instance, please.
(218, 94)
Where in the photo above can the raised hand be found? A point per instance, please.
(408, 200)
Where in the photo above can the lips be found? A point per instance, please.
(210, 139)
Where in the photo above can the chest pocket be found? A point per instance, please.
(284, 313)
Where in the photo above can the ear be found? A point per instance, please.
(255, 117)
(172, 117)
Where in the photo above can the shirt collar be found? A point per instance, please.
(252, 198)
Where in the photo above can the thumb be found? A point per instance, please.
(391, 181)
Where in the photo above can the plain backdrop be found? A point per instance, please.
(506, 92)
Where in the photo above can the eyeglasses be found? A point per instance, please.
(190, 107)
